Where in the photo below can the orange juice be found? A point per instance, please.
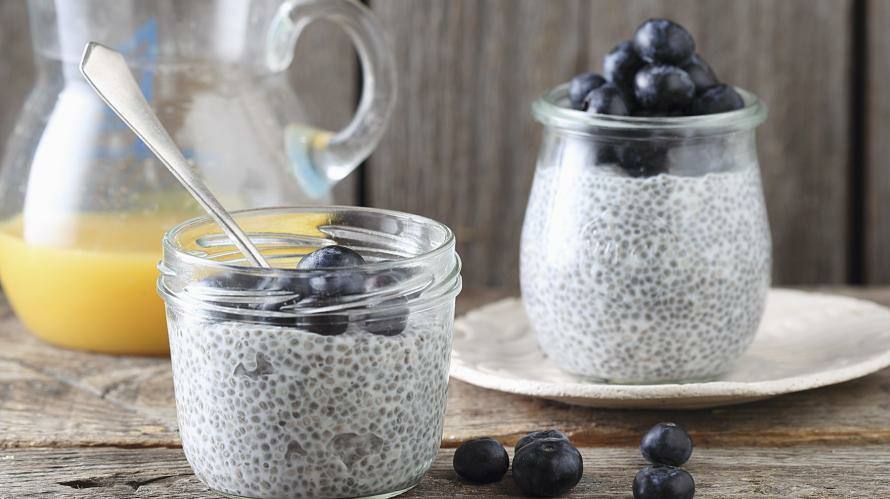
(94, 288)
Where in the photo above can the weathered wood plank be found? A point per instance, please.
(463, 146)
(877, 154)
(741, 472)
(63, 398)
(16, 66)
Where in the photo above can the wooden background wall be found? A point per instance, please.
(461, 146)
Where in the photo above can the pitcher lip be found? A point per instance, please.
(552, 110)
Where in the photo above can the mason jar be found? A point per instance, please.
(311, 383)
(645, 252)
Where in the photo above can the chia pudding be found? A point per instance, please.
(651, 279)
(267, 411)
(324, 376)
(645, 254)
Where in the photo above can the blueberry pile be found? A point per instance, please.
(666, 446)
(341, 278)
(656, 74)
(545, 463)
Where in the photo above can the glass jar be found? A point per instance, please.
(285, 390)
(645, 253)
(84, 204)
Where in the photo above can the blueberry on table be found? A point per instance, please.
(663, 88)
(607, 99)
(621, 64)
(547, 467)
(718, 99)
(663, 41)
(483, 460)
(582, 85)
(538, 435)
(340, 279)
(700, 73)
(666, 443)
(663, 482)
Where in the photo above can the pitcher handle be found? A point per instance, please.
(320, 159)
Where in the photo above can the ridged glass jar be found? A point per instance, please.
(286, 389)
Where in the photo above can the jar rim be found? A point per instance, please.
(181, 268)
(168, 241)
(551, 110)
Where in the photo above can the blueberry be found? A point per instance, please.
(547, 467)
(605, 153)
(341, 279)
(642, 158)
(337, 282)
(379, 280)
(700, 73)
(483, 460)
(663, 41)
(395, 320)
(621, 64)
(581, 85)
(391, 323)
(666, 443)
(323, 324)
(331, 257)
(718, 99)
(663, 482)
(663, 88)
(538, 435)
(607, 99)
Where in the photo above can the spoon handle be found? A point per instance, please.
(108, 74)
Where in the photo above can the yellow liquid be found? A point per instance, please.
(94, 287)
(95, 290)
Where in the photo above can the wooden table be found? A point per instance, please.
(74, 424)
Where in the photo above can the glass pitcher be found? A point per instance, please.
(83, 203)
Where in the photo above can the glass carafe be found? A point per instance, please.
(83, 203)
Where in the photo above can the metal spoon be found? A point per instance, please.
(108, 74)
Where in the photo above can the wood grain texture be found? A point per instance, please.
(53, 397)
(877, 143)
(740, 472)
(78, 425)
(16, 65)
(463, 144)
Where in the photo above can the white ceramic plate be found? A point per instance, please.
(806, 340)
